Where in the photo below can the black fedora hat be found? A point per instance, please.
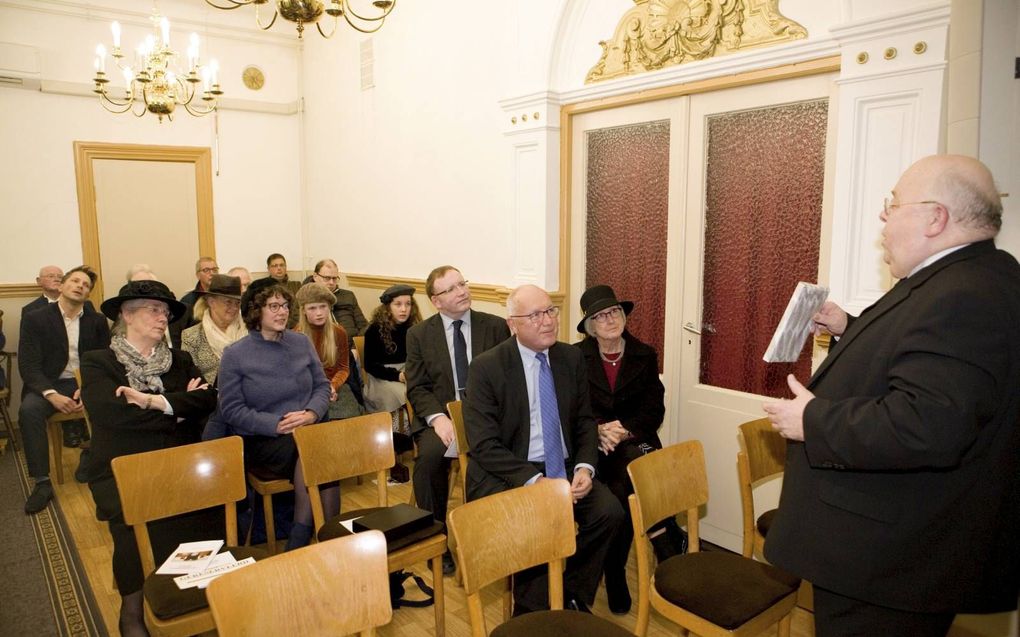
(597, 298)
(136, 290)
(224, 285)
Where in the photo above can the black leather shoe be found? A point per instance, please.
(72, 439)
(39, 498)
(448, 565)
(618, 595)
(81, 474)
(576, 604)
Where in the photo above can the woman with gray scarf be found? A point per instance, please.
(142, 396)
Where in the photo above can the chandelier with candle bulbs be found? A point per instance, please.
(155, 80)
(305, 12)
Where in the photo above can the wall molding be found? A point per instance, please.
(19, 290)
(479, 291)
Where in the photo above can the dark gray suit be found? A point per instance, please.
(905, 493)
(497, 419)
(430, 385)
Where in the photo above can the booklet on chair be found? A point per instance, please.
(190, 557)
(395, 522)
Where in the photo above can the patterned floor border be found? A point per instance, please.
(74, 608)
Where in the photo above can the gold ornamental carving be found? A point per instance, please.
(656, 34)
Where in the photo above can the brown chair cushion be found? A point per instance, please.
(559, 623)
(724, 588)
(168, 601)
(333, 529)
(765, 521)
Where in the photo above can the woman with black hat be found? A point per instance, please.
(219, 324)
(142, 396)
(386, 348)
(627, 403)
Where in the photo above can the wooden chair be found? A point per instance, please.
(458, 468)
(266, 487)
(762, 456)
(359, 346)
(7, 361)
(710, 594)
(339, 449)
(333, 588)
(55, 432)
(159, 484)
(508, 532)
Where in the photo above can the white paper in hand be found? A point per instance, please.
(795, 326)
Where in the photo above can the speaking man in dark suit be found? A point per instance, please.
(528, 418)
(52, 341)
(439, 351)
(901, 497)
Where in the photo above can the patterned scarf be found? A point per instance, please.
(143, 374)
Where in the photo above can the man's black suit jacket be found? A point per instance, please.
(906, 491)
(497, 417)
(41, 301)
(429, 372)
(42, 349)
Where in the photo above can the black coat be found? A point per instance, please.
(637, 401)
(906, 490)
(42, 349)
(119, 428)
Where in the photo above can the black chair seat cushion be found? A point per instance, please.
(167, 601)
(724, 588)
(333, 529)
(559, 623)
(765, 521)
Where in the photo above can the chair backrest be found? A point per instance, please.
(340, 449)
(331, 588)
(764, 449)
(456, 409)
(85, 412)
(667, 482)
(508, 532)
(159, 484)
(762, 456)
(359, 346)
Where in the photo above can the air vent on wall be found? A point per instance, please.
(367, 65)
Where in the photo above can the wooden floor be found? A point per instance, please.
(95, 547)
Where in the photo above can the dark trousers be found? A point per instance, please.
(613, 471)
(431, 481)
(32, 417)
(598, 516)
(839, 616)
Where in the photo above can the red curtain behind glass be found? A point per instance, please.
(628, 193)
(765, 174)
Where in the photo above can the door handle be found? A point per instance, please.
(690, 328)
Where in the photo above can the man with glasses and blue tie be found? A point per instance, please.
(528, 418)
(439, 350)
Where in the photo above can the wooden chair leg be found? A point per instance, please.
(784, 625)
(267, 511)
(440, 601)
(56, 436)
(8, 423)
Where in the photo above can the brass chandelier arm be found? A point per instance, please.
(354, 13)
(235, 4)
(354, 26)
(258, 20)
(318, 25)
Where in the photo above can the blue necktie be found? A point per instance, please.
(460, 358)
(555, 465)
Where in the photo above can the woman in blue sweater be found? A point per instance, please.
(271, 382)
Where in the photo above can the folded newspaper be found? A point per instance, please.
(795, 326)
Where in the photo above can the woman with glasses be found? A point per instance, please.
(142, 395)
(271, 382)
(627, 403)
(219, 324)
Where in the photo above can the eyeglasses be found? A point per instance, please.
(334, 279)
(156, 310)
(536, 316)
(229, 302)
(210, 270)
(456, 286)
(276, 307)
(888, 205)
(611, 313)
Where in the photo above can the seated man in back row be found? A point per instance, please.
(528, 418)
(49, 352)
